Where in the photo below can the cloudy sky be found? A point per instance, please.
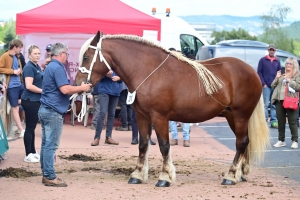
(9, 8)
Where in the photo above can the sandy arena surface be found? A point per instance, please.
(199, 171)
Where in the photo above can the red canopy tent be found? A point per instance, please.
(73, 22)
(86, 16)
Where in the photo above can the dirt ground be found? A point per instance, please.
(199, 171)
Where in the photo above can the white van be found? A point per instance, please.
(177, 33)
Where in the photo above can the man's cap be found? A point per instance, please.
(272, 46)
(48, 47)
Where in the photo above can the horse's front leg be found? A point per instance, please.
(140, 174)
(168, 173)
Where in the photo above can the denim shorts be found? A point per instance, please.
(14, 94)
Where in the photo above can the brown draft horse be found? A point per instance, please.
(168, 87)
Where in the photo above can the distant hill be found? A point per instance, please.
(227, 22)
(293, 30)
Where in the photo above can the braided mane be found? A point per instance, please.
(210, 82)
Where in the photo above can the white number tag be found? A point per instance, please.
(130, 98)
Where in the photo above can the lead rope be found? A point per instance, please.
(84, 96)
(83, 106)
(218, 101)
(152, 73)
(212, 95)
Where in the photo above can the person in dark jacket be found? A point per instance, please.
(126, 110)
(109, 92)
(267, 69)
(22, 60)
(135, 130)
(21, 110)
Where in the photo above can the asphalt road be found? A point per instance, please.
(284, 161)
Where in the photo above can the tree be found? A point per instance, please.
(1, 33)
(272, 24)
(9, 32)
(231, 35)
(7, 38)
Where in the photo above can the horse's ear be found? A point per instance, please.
(97, 37)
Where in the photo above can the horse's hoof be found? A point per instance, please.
(134, 181)
(243, 179)
(161, 183)
(227, 182)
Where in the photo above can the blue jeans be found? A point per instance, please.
(126, 110)
(108, 104)
(96, 109)
(185, 130)
(52, 123)
(267, 95)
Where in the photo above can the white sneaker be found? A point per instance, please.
(23, 124)
(22, 133)
(294, 145)
(279, 144)
(31, 159)
(36, 155)
(9, 137)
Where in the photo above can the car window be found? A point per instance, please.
(282, 60)
(253, 55)
(199, 44)
(190, 45)
(204, 53)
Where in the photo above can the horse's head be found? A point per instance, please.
(91, 69)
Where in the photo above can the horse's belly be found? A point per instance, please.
(194, 115)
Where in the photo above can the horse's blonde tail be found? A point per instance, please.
(258, 133)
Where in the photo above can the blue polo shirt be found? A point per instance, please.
(54, 77)
(35, 72)
(14, 79)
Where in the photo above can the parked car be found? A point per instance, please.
(247, 50)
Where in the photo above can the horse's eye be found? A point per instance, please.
(85, 58)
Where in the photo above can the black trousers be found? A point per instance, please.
(31, 109)
(126, 110)
(135, 129)
(281, 114)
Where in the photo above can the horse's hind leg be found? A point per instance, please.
(240, 166)
(140, 173)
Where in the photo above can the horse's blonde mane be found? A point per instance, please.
(210, 82)
(83, 49)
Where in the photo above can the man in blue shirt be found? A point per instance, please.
(54, 103)
(267, 70)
